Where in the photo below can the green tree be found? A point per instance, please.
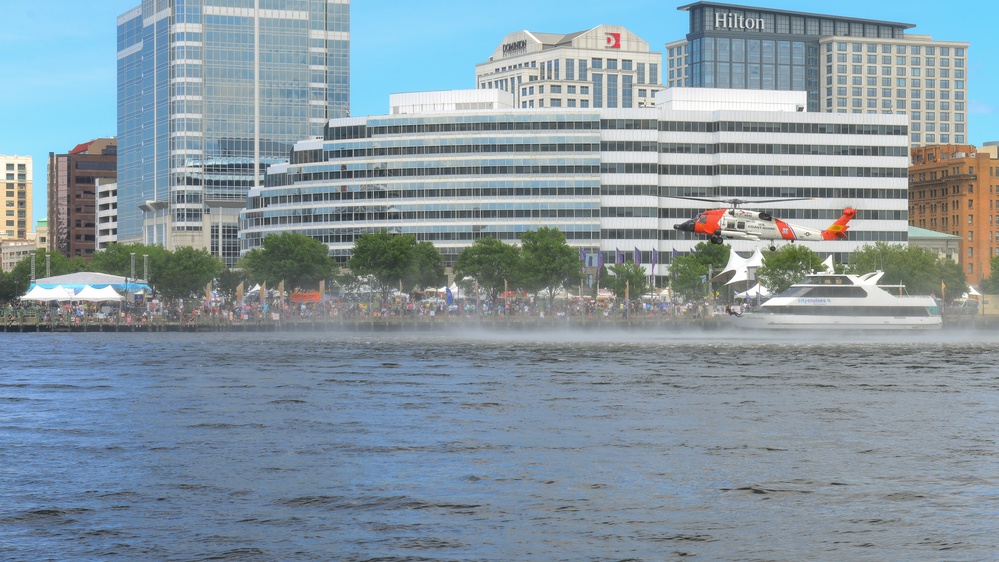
(549, 263)
(228, 281)
(116, 259)
(8, 288)
(491, 262)
(298, 260)
(58, 265)
(990, 285)
(388, 259)
(428, 270)
(628, 277)
(920, 270)
(689, 273)
(186, 273)
(786, 266)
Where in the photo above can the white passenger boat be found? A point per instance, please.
(842, 301)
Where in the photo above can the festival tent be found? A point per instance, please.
(737, 268)
(759, 291)
(89, 293)
(43, 294)
(77, 281)
(827, 266)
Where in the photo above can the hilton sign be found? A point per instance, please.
(734, 21)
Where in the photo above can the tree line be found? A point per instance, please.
(542, 264)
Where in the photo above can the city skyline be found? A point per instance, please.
(60, 57)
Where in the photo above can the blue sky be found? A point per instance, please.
(57, 57)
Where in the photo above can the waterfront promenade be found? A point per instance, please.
(440, 323)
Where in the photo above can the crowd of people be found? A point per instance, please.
(218, 312)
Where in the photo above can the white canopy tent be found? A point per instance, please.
(759, 291)
(42, 294)
(105, 294)
(737, 268)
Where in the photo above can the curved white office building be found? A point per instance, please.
(608, 178)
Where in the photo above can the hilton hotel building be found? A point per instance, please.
(846, 65)
(604, 67)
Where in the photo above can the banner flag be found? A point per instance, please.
(582, 256)
(263, 293)
(638, 256)
(239, 294)
(618, 258)
(655, 259)
(450, 297)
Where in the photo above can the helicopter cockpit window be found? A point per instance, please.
(702, 219)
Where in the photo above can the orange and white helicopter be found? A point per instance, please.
(734, 223)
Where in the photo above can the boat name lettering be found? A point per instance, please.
(815, 301)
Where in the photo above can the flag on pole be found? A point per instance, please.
(618, 258)
(450, 297)
(600, 265)
(655, 259)
(239, 294)
(582, 256)
(263, 293)
(281, 296)
(322, 290)
(208, 292)
(638, 255)
(675, 253)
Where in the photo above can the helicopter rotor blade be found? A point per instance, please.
(735, 202)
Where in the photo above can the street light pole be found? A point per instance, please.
(131, 276)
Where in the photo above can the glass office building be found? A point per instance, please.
(845, 64)
(210, 93)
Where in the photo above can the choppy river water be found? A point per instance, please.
(619, 446)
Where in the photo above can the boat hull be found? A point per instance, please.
(821, 322)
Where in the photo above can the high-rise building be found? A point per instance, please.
(607, 66)
(954, 189)
(72, 195)
(210, 93)
(15, 197)
(845, 64)
(107, 212)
